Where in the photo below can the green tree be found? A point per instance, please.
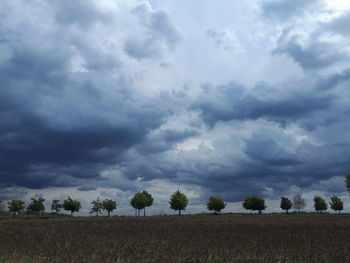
(56, 206)
(286, 204)
(15, 206)
(347, 182)
(109, 205)
(138, 202)
(36, 205)
(149, 201)
(320, 204)
(71, 205)
(336, 203)
(97, 207)
(178, 201)
(254, 203)
(216, 204)
(298, 202)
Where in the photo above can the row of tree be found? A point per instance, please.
(254, 203)
(178, 201)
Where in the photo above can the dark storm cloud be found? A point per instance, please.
(285, 9)
(58, 126)
(233, 102)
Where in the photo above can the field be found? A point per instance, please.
(205, 238)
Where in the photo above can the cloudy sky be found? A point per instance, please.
(228, 98)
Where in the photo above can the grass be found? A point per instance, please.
(207, 239)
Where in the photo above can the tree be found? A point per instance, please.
(138, 202)
(109, 205)
(97, 206)
(347, 182)
(71, 205)
(15, 206)
(216, 204)
(178, 201)
(298, 202)
(336, 203)
(56, 206)
(286, 204)
(149, 201)
(37, 205)
(254, 203)
(320, 204)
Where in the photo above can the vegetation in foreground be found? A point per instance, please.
(206, 238)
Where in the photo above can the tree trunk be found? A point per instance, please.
(179, 212)
(144, 211)
(259, 212)
(71, 213)
(109, 213)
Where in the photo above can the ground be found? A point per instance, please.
(200, 238)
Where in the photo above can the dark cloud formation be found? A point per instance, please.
(233, 102)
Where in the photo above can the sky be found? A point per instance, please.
(227, 98)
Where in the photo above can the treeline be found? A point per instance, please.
(178, 202)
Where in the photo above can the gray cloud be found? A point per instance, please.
(339, 25)
(285, 9)
(313, 55)
(233, 102)
(159, 33)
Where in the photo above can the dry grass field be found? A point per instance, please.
(224, 238)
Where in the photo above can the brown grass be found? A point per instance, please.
(225, 238)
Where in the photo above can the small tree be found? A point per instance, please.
(347, 182)
(37, 205)
(178, 201)
(109, 205)
(254, 203)
(336, 203)
(286, 204)
(15, 206)
(56, 206)
(298, 202)
(138, 202)
(71, 205)
(320, 204)
(216, 204)
(97, 207)
(149, 201)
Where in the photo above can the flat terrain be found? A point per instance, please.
(224, 238)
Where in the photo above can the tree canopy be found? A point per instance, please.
(15, 206)
(109, 205)
(336, 203)
(216, 204)
(71, 205)
(286, 204)
(178, 201)
(36, 205)
(254, 203)
(320, 204)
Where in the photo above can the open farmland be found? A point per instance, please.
(225, 238)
